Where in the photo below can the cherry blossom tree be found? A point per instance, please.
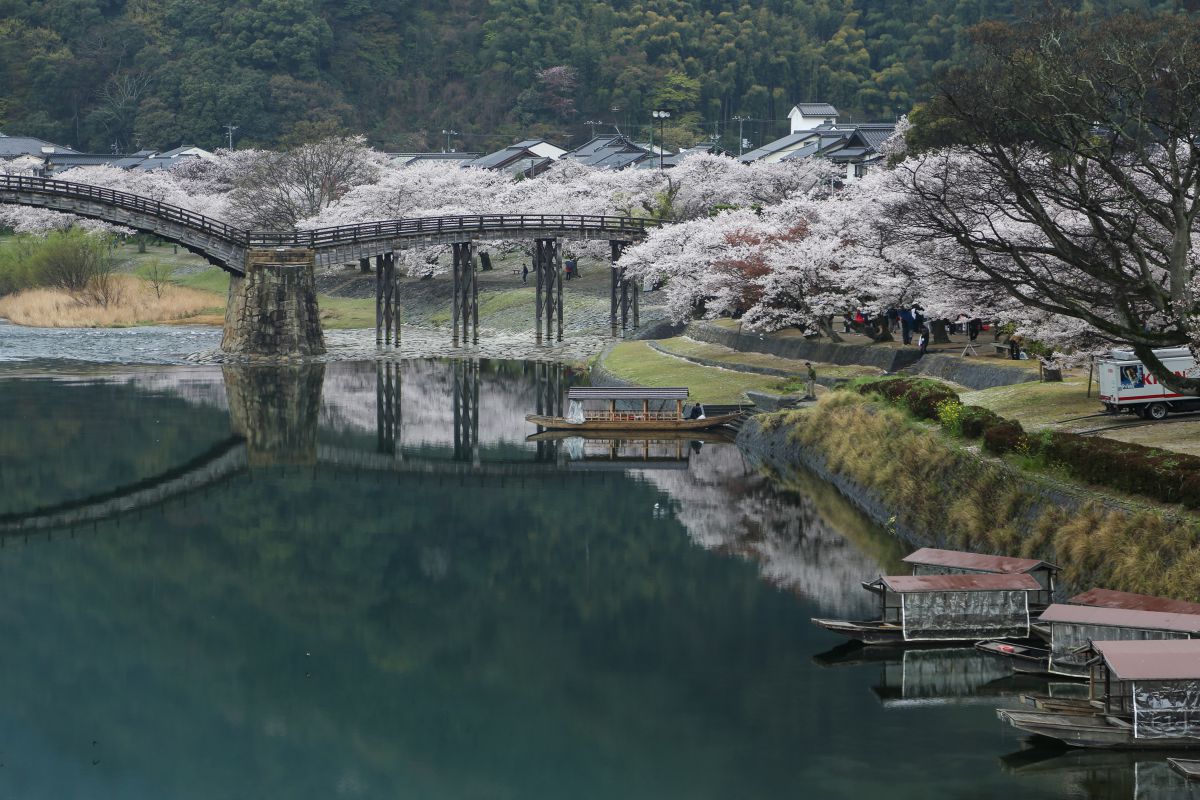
(1073, 179)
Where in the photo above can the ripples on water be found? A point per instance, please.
(361, 581)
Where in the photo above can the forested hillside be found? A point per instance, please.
(99, 74)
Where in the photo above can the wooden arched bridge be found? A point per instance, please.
(242, 252)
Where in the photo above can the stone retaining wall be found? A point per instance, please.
(974, 373)
(889, 359)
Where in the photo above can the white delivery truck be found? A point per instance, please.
(1126, 384)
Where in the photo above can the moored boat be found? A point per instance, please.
(613, 418)
(935, 561)
(1147, 699)
(943, 608)
(1186, 767)
(1069, 628)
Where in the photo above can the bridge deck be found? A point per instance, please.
(226, 245)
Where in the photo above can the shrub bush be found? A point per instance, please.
(1004, 437)
(920, 395)
(975, 420)
(1149, 471)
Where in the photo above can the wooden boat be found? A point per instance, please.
(1024, 657)
(705, 436)
(935, 561)
(1144, 699)
(626, 419)
(1063, 705)
(1086, 730)
(1186, 767)
(1068, 628)
(913, 609)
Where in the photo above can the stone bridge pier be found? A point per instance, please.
(272, 309)
(275, 408)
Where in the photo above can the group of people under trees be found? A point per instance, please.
(909, 322)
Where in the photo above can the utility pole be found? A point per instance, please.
(448, 133)
(229, 129)
(741, 141)
(591, 123)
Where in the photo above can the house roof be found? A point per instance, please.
(410, 158)
(874, 134)
(816, 109)
(501, 158)
(1121, 618)
(1151, 660)
(611, 151)
(932, 556)
(13, 146)
(1110, 598)
(767, 149)
(982, 582)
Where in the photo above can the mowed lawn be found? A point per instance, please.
(637, 363)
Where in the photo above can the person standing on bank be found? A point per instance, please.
(810, 383)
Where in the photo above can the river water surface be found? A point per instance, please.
(353, 581)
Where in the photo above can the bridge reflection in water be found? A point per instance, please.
(275, 414)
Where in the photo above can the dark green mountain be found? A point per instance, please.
(98, 74)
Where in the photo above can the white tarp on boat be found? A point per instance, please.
(575, 412)
(958, 615)
(1166, 709)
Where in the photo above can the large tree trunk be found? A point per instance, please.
(828, 330)
(940, 334)
(878, 330)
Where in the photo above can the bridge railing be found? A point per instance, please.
(127, 201)
(319, 238)
(440, 226)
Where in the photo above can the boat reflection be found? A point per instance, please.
(600, 451)
(936, 675)
(1101, 774)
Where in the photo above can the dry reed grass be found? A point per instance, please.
(950, 494)
(134, 302)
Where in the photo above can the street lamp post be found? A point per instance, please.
(662, 117)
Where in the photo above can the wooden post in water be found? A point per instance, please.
(378, 300)
(455, 307)
(475, 300)
(558, 277)
(396, 306)
(538, 273)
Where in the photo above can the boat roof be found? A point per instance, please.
(983, 582)
(932, 556)
(1121, 618)
(1111, 598)
(627, 393)
(1152, 659)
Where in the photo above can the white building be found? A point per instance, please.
(808, 116)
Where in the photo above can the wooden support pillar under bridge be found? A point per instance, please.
(624, 293)
(466, 293)
(550, 387)
(466, 410)
(387, 300)
(548, 301)
(387, 407)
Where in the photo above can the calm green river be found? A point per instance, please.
(363, 582)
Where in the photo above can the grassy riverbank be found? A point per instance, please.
(950, 493)
(126, 301)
